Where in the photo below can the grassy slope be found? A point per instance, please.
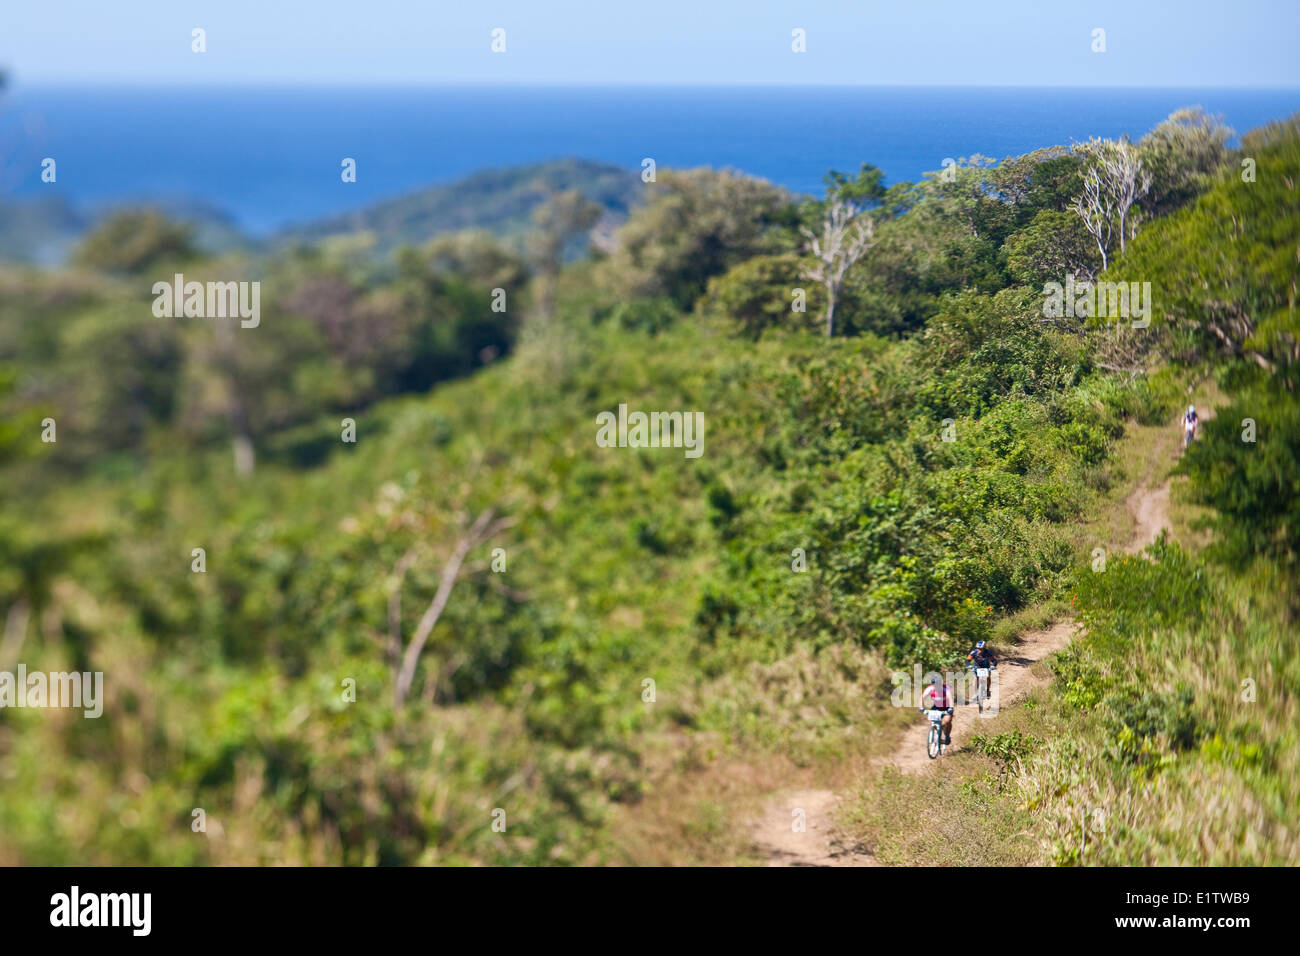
(967, 811)
(1177, 765)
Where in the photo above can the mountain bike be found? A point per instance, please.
(982, 691)
(934, 744)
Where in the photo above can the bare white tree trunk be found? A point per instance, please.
(847, 234)
(1114, 181)
(245, 457)
(236, 412)
(1092, 209)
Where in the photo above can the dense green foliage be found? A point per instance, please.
(1224, 271)
(880, 499)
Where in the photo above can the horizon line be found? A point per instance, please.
(16, 85)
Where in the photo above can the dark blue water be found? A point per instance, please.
(270, 157)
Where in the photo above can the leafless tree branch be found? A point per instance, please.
(1113, 182)
(483, 528)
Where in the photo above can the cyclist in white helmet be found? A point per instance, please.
(1190, 421)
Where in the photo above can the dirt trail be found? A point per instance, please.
(819, 844)
(1149, 509)
(776, 839)
(1148, 505)
(1015, 678)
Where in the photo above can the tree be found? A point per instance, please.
(866, 189)
(559, 221)
(243, 385)
(1226, 265)
(1043, 179)
(1053, 245)
(965, 191)
(847, 232)
(1183, 153)
(1253, 486)
(476, 256)
(133, 241)
(1113, 181)
(699, 224)
(758, 294)
(846, 235)
(924, 247)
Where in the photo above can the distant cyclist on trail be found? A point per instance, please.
(938, 696)
(1190, 421)
(982, 656)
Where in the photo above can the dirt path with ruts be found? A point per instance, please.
(818, 843)
(780, 843)
(1012, 680)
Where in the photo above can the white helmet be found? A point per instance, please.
(1191, 409)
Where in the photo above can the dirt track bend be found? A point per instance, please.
(817, 845)
(775, 839)
(774, 836)
(1148, 505)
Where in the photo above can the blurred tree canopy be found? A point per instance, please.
(132, 241)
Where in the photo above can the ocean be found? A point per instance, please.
(271, 157)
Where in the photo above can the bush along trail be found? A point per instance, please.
(1168, 732)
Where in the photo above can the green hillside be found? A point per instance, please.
(659, 634)
(500, 201)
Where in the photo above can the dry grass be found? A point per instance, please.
(1229, 801)
(1068, 801)
(957, 814)
(810, 719)
(1036, 618)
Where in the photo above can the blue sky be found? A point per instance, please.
(1200, 43)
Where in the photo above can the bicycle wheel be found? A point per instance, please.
(979, 693)
(934, 741)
